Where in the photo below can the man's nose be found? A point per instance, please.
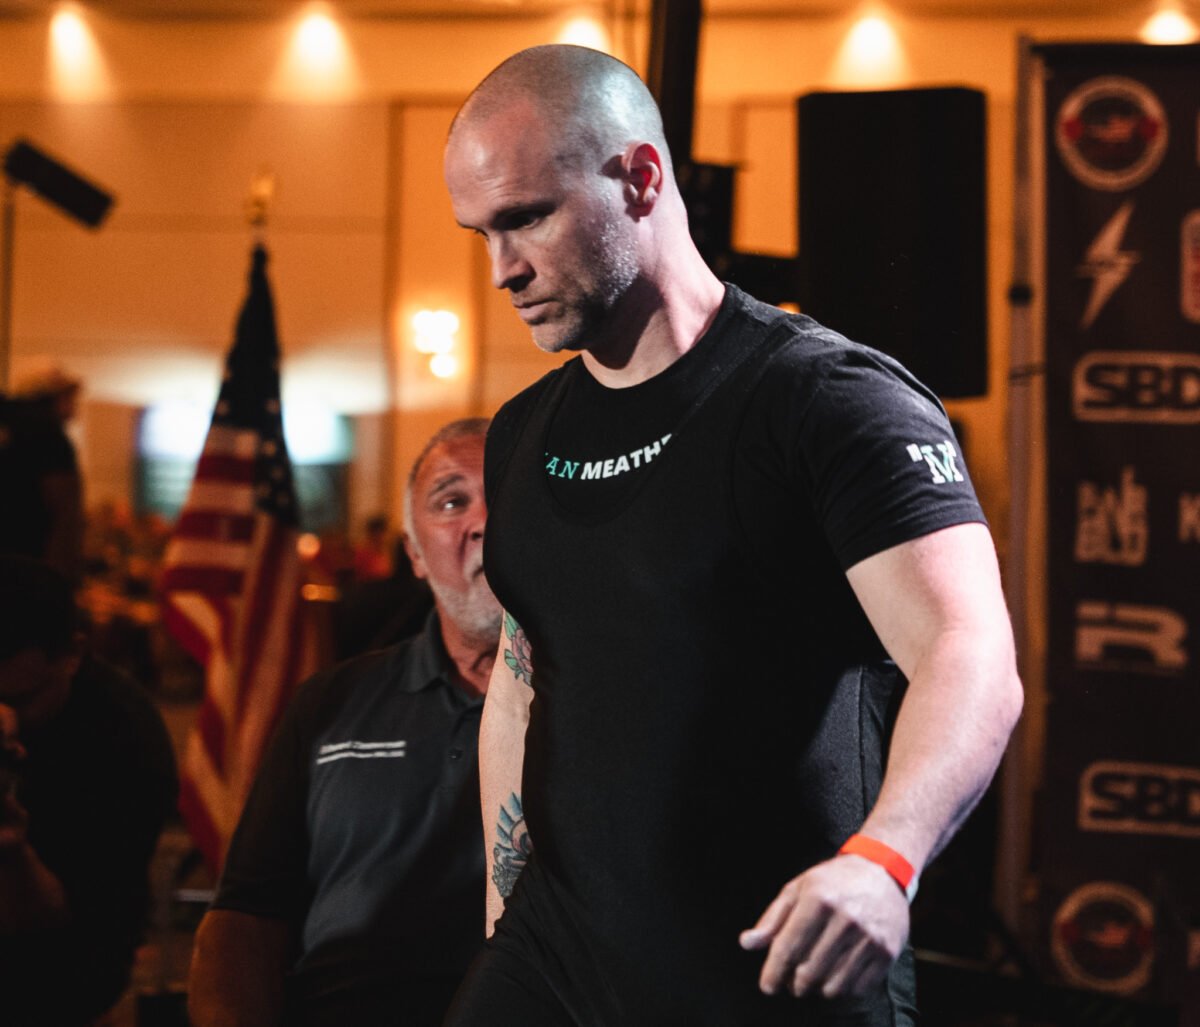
(476, 521)
(510, 270)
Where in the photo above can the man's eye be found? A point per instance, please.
(519, 219)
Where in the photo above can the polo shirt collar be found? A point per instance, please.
(429, 662)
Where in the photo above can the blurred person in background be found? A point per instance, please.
(373, 552)
(372, 613)
(42, 512)
(88, 783)
(353, 888)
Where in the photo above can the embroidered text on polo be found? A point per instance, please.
(360, 750)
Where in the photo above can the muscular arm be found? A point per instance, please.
(237, 971)
(949, 632)
(501, 753)
(937, 606)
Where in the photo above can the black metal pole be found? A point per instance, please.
(671, 73)
(7, 225)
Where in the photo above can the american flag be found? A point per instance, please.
(232, 580)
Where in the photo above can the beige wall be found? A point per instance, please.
(179, 116)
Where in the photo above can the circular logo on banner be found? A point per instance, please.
(1103, 938)
(1111, 132)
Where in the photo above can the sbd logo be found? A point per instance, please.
(1149, 387)
(1140, 798)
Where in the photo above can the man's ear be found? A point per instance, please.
(415, 558)
(642, 169)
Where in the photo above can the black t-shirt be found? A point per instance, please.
(99, 784)
(711, 706)
(362, 830)
(601, 440)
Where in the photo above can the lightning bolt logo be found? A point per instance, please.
(1106, 264)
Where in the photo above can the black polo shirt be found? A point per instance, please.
(363, 831)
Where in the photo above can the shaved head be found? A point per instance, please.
(558, 162)
(597, 104)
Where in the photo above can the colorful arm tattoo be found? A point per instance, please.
(517, 655)
(512, 848)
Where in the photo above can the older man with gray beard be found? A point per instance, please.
(353, 889)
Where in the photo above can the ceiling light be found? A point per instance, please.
(585, 31)
(1169, 25)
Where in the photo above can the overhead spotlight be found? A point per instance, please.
(1169, 25)
(74, 59)
(319, 40)
(872, 40)
(69, 35)
(871, 53)
(585, 31)
(318, 62)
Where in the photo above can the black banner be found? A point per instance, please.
(1119, 846)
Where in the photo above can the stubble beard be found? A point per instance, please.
(588, 323)
(474, 610)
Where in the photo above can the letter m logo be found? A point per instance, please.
(942, 461)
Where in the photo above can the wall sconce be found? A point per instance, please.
(585, 31)
(436, 336)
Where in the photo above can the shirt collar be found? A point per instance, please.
(429, 662)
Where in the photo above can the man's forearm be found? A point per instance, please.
(949, 738)
(501, 755)
(238, 966)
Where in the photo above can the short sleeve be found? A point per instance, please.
(265, 871)
(876, 453)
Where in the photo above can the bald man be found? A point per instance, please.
(756, 666)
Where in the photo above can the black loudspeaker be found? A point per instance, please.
(893, 219)
(56, 183)
(707, 191)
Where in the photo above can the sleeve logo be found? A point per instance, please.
(941, 459)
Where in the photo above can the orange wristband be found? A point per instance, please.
(900, 869)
